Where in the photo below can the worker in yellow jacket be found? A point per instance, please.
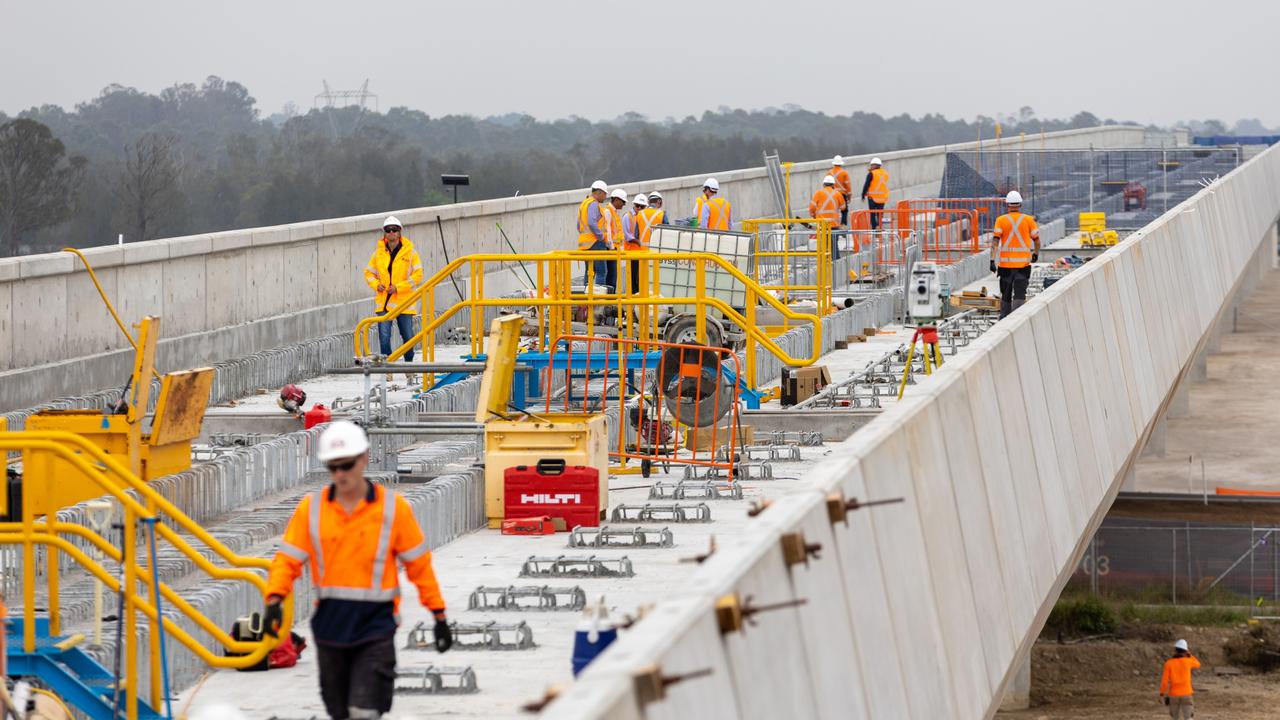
(393, 272)
(593, 231)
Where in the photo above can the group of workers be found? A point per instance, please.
(831, 201)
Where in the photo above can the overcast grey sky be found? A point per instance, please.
(1140, 60)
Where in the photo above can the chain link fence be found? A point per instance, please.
(1133, 186)
(1182, 563)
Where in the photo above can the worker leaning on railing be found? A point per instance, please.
(594, 233)
(394, 270)
(352, 533)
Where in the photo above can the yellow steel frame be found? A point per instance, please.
(116, 481)
(555, 301)
(791, 260)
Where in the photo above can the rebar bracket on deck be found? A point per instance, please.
(484, 635)
(435, 680)
(527, 597)
(774, 453)
(695, 490)
(803, 438)
(761, 470)
(565, 566)
(662, 512)
(606, 536)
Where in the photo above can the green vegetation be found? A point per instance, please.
(201, 158)
(1083, 615)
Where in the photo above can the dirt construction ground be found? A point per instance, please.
(1120, 679)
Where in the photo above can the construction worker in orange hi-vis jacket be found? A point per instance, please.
(844, 184)
(1175, 682)
(351, 534)
(1015, 244)
(828, 203)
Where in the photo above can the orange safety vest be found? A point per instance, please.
(843, 183)
(719, 216)
(645, 220)
(1175, 680)
(613, 225)
(404, 274)
(586, 238)
(353, 557)
(827, 203)
(879, 188)
(1015, 232)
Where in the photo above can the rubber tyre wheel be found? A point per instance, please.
(646, 468)
(684, 331)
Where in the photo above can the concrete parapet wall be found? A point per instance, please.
(1007, 458)
(238, 292)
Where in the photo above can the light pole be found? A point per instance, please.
(455, 181)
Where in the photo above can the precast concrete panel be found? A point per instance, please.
(227, 289)
(824, 618)
(90, 328)
(864, 579)
(908, 584)
(300, 276)
(954, 578)
(267, 279)
(1125, 399)
(6, 326)
(143, 294)
(767, 659)
(1068, 419)
(1095, 363)
(335, 268)
(1136, 330)
(699, 648)
(39, 318)
(1120, 339)
(1159, 326)
(1015, 427)
(1097, 317)
(1062, 511)
(1013, 535)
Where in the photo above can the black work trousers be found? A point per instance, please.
(1013, 288)
(359, 680)
(873, 206)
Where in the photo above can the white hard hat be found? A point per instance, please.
(1013, 198)
(876, 161)
(641, 200)
(599, 185)
(829, 180)
(655, 195)
(837, 160)
(712, 183)
(392, 220)
(342, 439)
(620, 194)
(1181, 645)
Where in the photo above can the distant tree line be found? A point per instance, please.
(201, 158)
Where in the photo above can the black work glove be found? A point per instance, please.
(272, 617)
(992, 266)
(444, 635)
(1035, 257)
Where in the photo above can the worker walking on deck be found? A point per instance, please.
(843, 184)
(875, 190)
(1015, 244)
(829, 204)
(593, 232)
(711, 211)
(394, 270)
(352, 533)
(1175, 682)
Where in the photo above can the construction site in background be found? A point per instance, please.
(816, 439)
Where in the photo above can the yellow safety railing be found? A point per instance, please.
(40, 450)
(788, 264)
(554, 302)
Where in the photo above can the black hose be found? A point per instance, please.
(440, 227)
(532, 284)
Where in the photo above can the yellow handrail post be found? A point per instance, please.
(157, 627)
(51, 569)
(33, 466)
(130, 619)
(750, 343)
(700, 290)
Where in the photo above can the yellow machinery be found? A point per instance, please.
(141, 506)
(576, 438)
(554, 301)
(1094, 232)
(165, 450)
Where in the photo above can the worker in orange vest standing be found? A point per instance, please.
(393, 272)
(875, 190)
(635, 241)
(711, 211)
(649, 216)
(351, 534)
(593, 232)
(1175, 682)
(844, 184)
(1015, 245)
(828, 203)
